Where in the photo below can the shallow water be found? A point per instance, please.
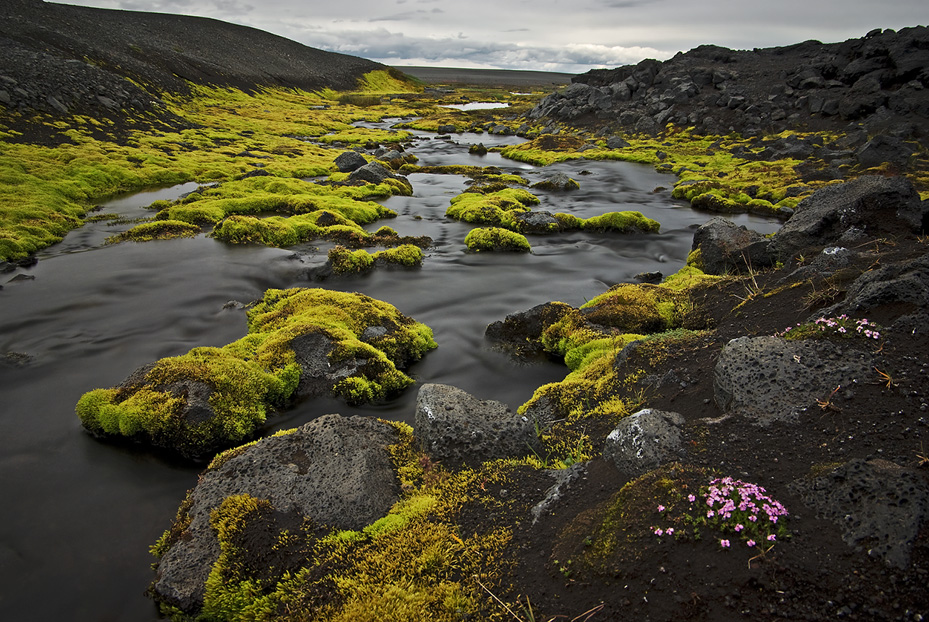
(78, 515)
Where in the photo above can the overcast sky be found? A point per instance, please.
(548, 35)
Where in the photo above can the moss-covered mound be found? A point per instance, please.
(416, 562)
(211, 398)
(496, 209)
(496, 239)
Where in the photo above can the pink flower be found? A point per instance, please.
(659, 532)
(772, 538)
(710, 514)
(691, 498)
(739, 527)
(724, 544)
(753, 518)
(660, 508)
(670, 531)
(750, 543)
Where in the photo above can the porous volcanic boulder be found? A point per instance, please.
(726, 247)
(875, 204)
(335, 471)
(879, 506)
(350, 161)
(903, 286)
(643, 441)
(457, 429)
(770, 379)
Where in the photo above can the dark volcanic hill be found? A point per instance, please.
(63, 59)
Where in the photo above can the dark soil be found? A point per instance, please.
(814, 575)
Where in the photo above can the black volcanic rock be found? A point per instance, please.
(879, 82)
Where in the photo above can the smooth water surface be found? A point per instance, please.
(78, 514)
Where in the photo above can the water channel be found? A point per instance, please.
(79, 514)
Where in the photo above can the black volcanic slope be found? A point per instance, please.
(66, 59)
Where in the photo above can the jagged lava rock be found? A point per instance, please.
(457, 429)
(333, 470)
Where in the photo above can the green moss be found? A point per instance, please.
(622, 222)
(407, 255)
(345, 261)
(159, 230)
(496, 239)
(244, 380)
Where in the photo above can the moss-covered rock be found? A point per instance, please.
(496, 239)
(300, 341)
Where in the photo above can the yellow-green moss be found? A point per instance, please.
(345, 261)
(496, 239)
(159, 230)
(407, 255)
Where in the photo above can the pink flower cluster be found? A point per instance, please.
(732, 507)
(731, 496)
(841, 324)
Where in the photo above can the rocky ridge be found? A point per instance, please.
(878, 84)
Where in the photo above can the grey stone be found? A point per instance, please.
(349, 161)
(770, 379)
(879, 506)
(335, 471)
(644, 441)
(458, 429)
(726, 247)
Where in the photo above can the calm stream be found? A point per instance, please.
(78, 515)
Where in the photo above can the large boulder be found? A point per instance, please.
(334, 471)
(901, 288)
(877, 205)
(376, 173)
(643, 441)
(350, 161)
(458, 429)
(727, 247)
(879, 506)
(770, 379)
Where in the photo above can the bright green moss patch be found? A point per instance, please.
(345, 261)
(215, 397)
(496, 239)
(497, 209)
(159, 230)
(622, 222)
(406, 255)
(264, 195)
